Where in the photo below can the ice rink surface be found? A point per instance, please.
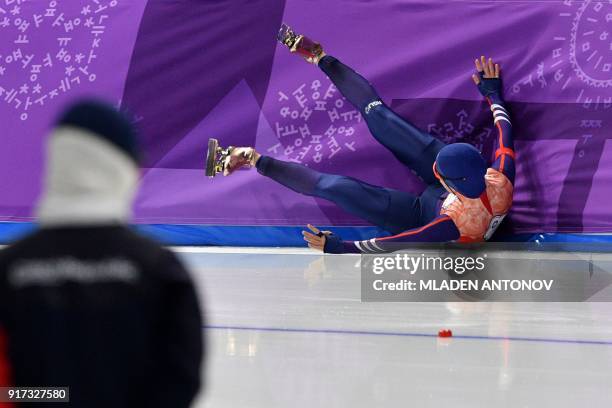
(286, 328)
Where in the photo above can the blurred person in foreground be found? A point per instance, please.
(84, 301)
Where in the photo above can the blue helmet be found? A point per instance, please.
(462, 168)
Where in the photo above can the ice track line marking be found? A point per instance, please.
(401, 334)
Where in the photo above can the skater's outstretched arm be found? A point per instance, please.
(441, 229)
(489, 83)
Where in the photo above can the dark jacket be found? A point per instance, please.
(104, 311)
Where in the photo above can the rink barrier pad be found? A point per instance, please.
(291, 236)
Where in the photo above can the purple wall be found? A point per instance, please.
(190, 70)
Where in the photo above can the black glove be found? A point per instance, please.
(333, 244)
(490, 87)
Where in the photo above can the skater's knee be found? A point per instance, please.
(372, 106)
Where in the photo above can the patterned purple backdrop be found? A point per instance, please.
(192, 69)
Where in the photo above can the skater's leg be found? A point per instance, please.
(359, 92)
(392, 210)
(413, 147)
(297, 177)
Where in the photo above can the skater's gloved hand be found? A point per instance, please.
(321, 240)
(334, 245)
(488, 78)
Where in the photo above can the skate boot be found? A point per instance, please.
(227, 160)
(300, 44)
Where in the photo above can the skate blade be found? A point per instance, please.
(211, 156)
(283, 33)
